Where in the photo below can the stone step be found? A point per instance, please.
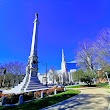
(34, 77)
(31, 85)
(34, 80)
(34, 83)
(35, 88)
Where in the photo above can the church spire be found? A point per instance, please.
(63, 63)
(63, 57)
(64, 69)
(35, 36)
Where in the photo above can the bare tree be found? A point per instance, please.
(13, 73)
(95, 56)
(85, 56)
(2, 76)
(15, 67)
(102, 48)
(1, 80)
(9, 80)
(54, 75)
(51, 75)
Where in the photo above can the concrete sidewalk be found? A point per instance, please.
(90, 98)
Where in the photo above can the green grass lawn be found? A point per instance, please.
(41, 103)
(75, 86)
(105, 85)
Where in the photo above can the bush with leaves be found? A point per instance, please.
(87, 76)
(12, 98)
(37, 94)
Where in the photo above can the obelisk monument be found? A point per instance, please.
(30, 81)
(33, 59)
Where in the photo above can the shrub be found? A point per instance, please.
(3, 95)
(0, 94)
(50, 92)
(44, 91)
(55, 87)
(12, 98)
(30, 95)
(60, 89)
(27, 96)
(37, 94)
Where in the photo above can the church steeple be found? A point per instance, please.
(63, 63)
(63, 57)
(64, 69)
(35, 36)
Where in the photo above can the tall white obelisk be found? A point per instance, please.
(33, 82)
(30, 81)
(33, 59)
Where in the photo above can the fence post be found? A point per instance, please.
(20, 99)
(42, 94)
(55, 91)
(3, 100)
(64, 89)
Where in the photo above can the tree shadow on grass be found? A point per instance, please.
(82, 101)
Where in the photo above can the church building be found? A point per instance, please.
(62, 76)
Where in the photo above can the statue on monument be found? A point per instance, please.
(36, 15)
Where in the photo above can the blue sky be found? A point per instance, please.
(63, 24)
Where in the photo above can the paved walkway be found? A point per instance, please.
(89, 99)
